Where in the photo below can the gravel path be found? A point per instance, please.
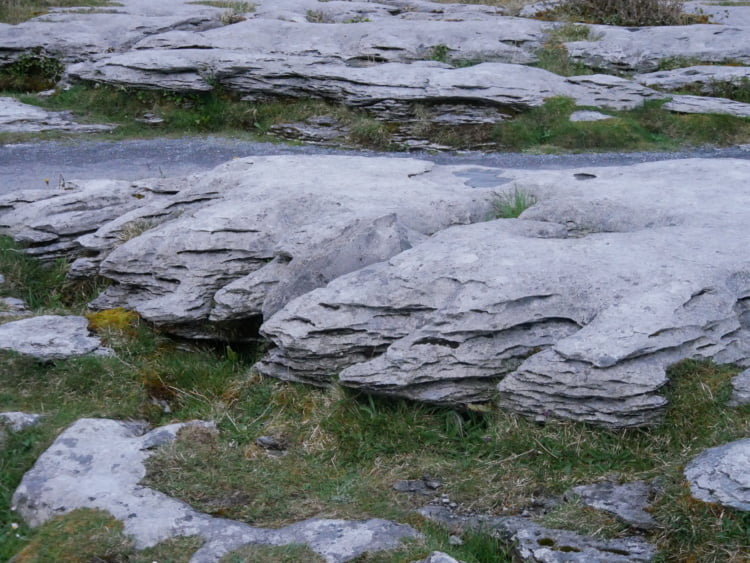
(28, 165)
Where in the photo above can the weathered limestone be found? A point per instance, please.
(740, 390)
(50, 337)
(49, 221)
(536, 544)
(703, 77)
(627, 501)
(16, 117)
(17, 421)
(722, 475)
(244, 239)
(98, 463)
(701, 104)
(578, 307)
(641, 49)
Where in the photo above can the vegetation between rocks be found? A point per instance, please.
(342, 452)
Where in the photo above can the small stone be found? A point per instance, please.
(438, 557)
(455, 540)
(50, 337)
(17, 421)
(453, 505)
(722, 475)
(269, 443)
(741, 390)
(2, 279)
(628, 502)
(586, 115)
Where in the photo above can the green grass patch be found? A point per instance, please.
(511, 205)
(646, 128)
(17, 11)
(31, 72)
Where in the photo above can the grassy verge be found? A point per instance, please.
(344, 451)
(17, 11)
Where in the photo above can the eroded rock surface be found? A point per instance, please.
(50, 337)
(537, 544)
(740, 390)
(627, 501)
(722, 475)
(98, 463)
(17, 421)
(17, 117)
(576, 309)
(242, 240)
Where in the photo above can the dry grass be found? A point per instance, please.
(17, 11)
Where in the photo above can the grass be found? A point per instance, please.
(548, 128)
(344, 450)
(511, 205)
(17, 11)
(235, 10)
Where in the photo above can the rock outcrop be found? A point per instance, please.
(722, 475)
(16, 117)
(50, 337)
(98, 463)
(576, 309)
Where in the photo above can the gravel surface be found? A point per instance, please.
(43, 164)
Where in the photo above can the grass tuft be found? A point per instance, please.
(17, 11)
(511, 205)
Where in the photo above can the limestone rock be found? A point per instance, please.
(48, 222)
(627, 501)
(279, 227)
(702, 104)
(438, 557)
(17, 117)
(576, 308)
(703, 77)
(588, 116)
(534, 543)
(722, 475)
(741, 390)
(17, 421)
(98, 463)
(537, 544)
(50, 337)
(641, 49)
(12, 307)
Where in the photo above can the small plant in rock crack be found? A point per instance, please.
(511, 204)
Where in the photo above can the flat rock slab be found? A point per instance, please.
(705, 78)
(17, 117)
(575, 310)
(98, 463)
(537, 544)
(50, 337)
(627, 501)
(722, 475)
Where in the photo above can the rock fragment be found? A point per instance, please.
(722, 475)
(627, 501)
(740, 390)
(17, 421)
(50, 337)
(17, 117)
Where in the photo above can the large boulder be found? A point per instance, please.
(98, 464)
(576, 309)
(244, 239)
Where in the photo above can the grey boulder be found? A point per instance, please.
(98, 463)
(50, 337)
(722, 475)
(244, 239)
(574, 310)
(627, 501)
(740, 390)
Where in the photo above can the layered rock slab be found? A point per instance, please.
(98, 463)
(242, 240)
(576, 309)
(17, 117)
